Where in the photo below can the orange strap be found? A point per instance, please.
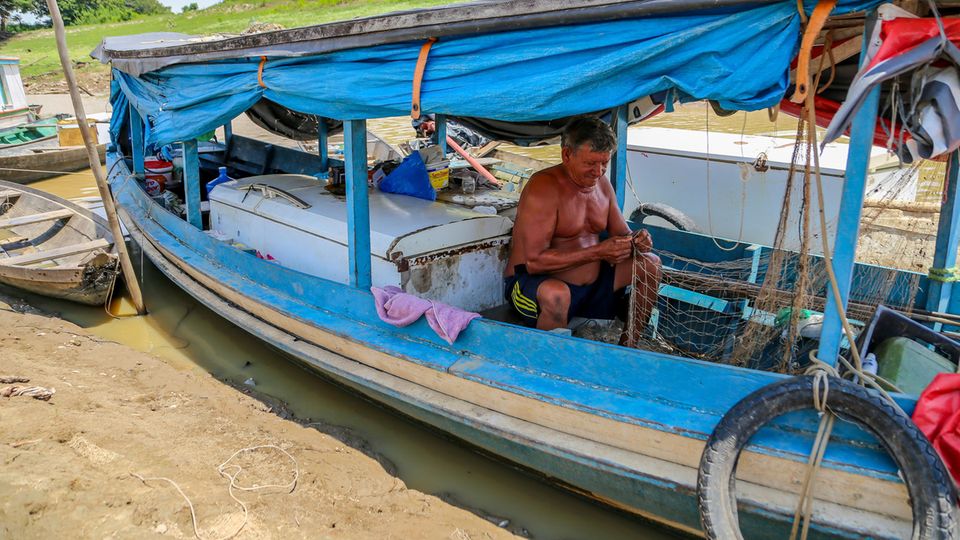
(263, 61)
(418, 76)
(814, 25)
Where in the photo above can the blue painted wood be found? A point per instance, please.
(618, 163)
(136, 141)
(755, 262)
(228, 134)
(191, 182)
(358, 203)
(322, 149)
(440, 136)
(695, 298)
(547, 367)
(948, 235)
(851, 205)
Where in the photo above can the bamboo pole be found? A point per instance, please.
(126, 266)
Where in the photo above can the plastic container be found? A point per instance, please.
(218, 180)
(157, 174)
(910, 365)
(439, 173)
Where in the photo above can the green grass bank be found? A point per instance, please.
(38, 52)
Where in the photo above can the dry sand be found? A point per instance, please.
(67, 465)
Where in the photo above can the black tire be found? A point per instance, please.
(665, 212)
(933, 496)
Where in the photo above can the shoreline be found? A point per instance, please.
(69, 464)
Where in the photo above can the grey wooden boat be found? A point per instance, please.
(52, 247)
(42, 159)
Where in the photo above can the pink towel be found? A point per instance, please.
(401, 309)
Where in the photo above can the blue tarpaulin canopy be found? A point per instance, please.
(739, 57)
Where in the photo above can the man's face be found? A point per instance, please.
(585, 165)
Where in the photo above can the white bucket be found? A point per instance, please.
(157, 174)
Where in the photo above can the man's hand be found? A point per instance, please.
(642, 241)
(615, 249)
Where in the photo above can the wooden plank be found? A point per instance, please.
(57, 253)
(10, 193)
(35, 218)
(358, 205)
(487, 148)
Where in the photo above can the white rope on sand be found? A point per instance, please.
(236, 469)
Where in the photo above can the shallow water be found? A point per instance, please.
(191, 337)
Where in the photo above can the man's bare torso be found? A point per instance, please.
(581, 214)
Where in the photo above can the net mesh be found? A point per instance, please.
(761, 307)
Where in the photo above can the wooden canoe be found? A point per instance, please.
(42, 159)
(55, 248)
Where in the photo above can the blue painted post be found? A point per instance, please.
(191, 182)
(851, 205)
(948, 234)
(618, 164)
(227, 133)
(136, 141)
(358, 203)
(441, 134)
(322, 150)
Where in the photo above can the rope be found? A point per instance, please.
(418, 76)
(819, 369)
(263, 62)
(944, 275)
(222, 469)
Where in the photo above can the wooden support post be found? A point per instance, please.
(358, 203)
(618, 163)
(227, 134)
(136, 141)
(948, 235)
(191, 182)
(322, 142)
(440, 135)
(126, 266)
(851, 206)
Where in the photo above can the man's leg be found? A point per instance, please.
(648, 283)
(553, 297)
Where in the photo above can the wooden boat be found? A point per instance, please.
(291, 262)
(39, 160)
(31, 148)
(53, 247)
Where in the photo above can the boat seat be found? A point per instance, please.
(35, 218)
(57, 253)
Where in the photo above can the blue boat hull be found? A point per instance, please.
(626, 429)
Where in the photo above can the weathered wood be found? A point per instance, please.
(9, 194)
(35, 218)
(129, 276)
(56, 253)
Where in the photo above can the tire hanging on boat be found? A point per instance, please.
(667, 213)
(933, 496)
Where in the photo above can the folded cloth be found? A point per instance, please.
(401, 309)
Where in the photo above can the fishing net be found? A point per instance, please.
(761, 307)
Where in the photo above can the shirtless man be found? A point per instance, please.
(558, 267)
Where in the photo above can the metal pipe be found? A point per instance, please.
(473, 162)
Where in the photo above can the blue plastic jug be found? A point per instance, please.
(218, 180)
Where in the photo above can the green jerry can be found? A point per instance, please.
(910, 365)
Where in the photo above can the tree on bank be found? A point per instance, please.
(83, 11)
(10, 10)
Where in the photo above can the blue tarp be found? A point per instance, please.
(740, 59)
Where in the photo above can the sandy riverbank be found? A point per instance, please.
(68, 464)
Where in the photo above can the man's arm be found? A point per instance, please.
(537, 224)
